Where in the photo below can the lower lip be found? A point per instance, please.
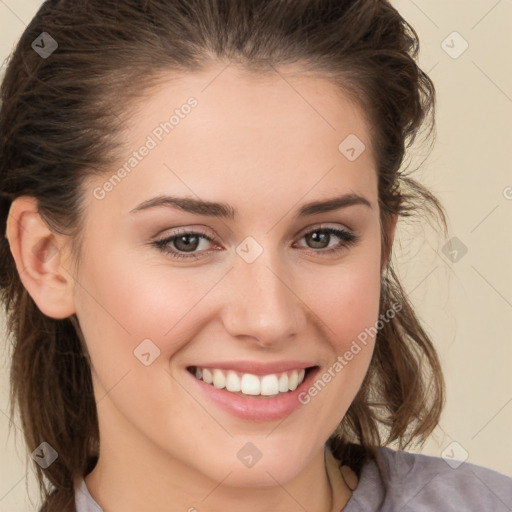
(256, 408)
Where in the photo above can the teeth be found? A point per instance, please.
(293, 381)
(269, 385)
(249, 384)
(283, 383)
(233, 382)
(219, 381)
(207, 376)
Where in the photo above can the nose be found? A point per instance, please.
(263, 305)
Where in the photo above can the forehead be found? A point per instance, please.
(228, 131)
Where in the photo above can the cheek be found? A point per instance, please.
(130, 299)
(126, 302)
(348, 306)
(346, 300)
(133, 323)
(346, 297)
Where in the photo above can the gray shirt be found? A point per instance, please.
(398, 481)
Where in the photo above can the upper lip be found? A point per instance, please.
(257, 368)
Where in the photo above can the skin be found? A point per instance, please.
(255, 143)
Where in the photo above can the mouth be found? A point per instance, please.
(249, 384)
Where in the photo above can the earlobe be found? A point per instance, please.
(39, 256)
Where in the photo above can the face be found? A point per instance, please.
(256, 292)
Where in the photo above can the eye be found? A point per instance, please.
(184, 244)
(321, 238)
(192, 244)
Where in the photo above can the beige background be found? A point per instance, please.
(466, 305)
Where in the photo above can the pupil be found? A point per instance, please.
(189, 242)
(319, 239)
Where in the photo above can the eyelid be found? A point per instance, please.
(323, 225)
(171, 232)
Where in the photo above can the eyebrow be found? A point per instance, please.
(226, 211)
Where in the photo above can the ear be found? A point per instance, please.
(390, 230)
(39, 256)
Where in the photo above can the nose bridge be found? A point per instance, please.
(263, 305)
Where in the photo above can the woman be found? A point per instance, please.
(200, 199)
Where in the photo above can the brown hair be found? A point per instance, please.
(61, 118)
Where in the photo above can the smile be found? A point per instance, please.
(249, 384)
(251, 390)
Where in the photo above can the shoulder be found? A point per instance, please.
(84, 502)
(398, 480)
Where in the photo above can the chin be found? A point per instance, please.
(259, 467)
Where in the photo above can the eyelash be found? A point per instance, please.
(347, 237)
